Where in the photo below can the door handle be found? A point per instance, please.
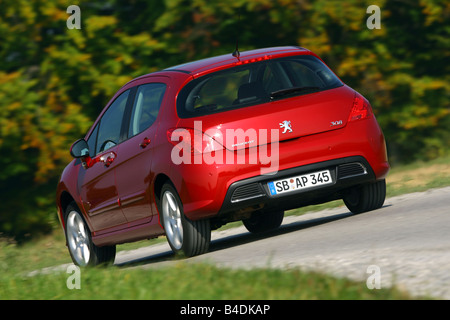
(108, 158)
(145, 142)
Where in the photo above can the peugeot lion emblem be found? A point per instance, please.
(286, 125)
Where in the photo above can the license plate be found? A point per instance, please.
(301, 182)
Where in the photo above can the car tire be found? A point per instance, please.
(184, 236)
(366, 198)
(79, 241)
(263, 221)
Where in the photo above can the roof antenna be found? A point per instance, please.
(236, 52)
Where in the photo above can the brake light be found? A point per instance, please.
(252, 60)
(194, 140)
(361, 108)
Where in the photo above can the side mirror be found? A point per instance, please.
(79, 149)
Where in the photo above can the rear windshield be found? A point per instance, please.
(253, 84)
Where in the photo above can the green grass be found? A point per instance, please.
(419, 176)
(182, 281)
(188, 281)
(195, 281)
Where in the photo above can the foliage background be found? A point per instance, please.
(54, 81)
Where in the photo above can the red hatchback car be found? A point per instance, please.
(245, 137)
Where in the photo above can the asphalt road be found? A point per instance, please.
(406, 243)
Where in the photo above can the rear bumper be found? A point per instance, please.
(253, 193)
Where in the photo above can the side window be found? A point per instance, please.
(111, 123)
(146, 107)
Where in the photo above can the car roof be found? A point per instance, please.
(204, 66)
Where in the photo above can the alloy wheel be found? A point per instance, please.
(172, 220)
(78, 238)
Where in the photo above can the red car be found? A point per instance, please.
(243, 136)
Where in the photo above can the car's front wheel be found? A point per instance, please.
(366, 198)
(184, 235)
(81, 248)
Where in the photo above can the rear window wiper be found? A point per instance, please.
(287, 91)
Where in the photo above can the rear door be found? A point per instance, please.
(133, 163)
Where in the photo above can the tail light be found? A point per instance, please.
(196, 141)
(361, 108)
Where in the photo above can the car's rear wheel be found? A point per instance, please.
(184, 235)
(263, 221)
(79, 242)
(366, 198)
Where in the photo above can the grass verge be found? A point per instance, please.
(186, 281)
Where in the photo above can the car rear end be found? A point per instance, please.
(273, 130)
